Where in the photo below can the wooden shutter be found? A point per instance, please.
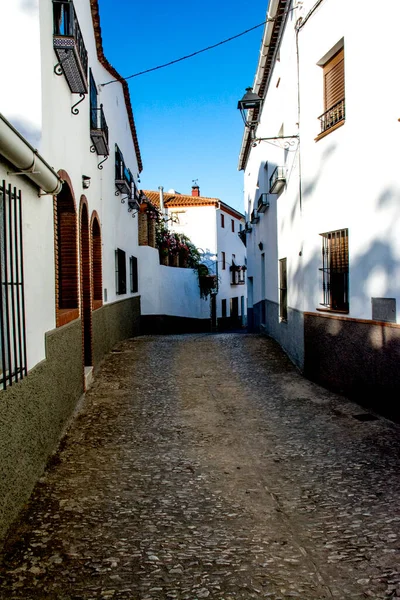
(334, 80)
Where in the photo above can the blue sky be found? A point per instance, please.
(186, 117)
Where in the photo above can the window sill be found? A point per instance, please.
(328, 131)
(333, 310)
(66, 315)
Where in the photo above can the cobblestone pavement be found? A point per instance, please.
(205, 466)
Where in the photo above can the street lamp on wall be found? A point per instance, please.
(250, 101)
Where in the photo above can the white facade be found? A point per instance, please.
(199, 218)
(342, 179)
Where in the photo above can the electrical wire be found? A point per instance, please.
(172, 62)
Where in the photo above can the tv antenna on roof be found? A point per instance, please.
(195, 181)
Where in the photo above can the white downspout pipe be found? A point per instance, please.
(26, 159)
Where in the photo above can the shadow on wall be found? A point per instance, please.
(352, 356)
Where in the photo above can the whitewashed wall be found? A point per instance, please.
(351, 177)
(169, 290)
(44, 112)
(20, 98)
(230, 243)
(198, 223)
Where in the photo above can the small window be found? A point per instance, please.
(233, 225)
(335, 270)
(222, 220)
(223, 308)
(133, 273)
(120, 272)
(282, 289)
(223, 261)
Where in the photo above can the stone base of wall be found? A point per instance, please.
(290, 334)
(112, 323)
(165, 324)
(35, 411)
(358, 358)
(229, 323)
(33, 415)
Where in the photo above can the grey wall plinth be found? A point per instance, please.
(290, 334)
(112, 323)
(357, 357)
(33, 414)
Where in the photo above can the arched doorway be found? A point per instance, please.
(85, 276)
(66, 254)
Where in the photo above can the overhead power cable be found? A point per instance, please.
(172, 62)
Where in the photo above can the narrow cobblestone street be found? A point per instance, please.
(205, 466)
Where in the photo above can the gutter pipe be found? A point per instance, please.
(15, 148)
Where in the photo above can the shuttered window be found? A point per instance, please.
(334, 92)
(334, 80)
(335, 270)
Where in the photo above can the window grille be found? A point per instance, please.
(335, 270)
(334, 92)
(12, 302)
(283, 289)
(120, 271)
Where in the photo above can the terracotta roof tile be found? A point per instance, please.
(171, 200)
(94, 6)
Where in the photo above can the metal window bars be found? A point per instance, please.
(335, 270)
(13, 363)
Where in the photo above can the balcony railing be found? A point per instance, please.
(255, 217)
(332, 116)
(69, 47)
(123, 176)
(237, 274)
(99, 131)
(263, 203)
(277, 180)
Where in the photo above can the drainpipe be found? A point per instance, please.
(26, 159)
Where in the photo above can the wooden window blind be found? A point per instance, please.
(334, 80)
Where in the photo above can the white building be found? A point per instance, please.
(213, 227)
(321, 170)
(68, 244)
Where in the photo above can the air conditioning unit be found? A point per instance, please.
(255, 217)
(248, 227)
(263, 203)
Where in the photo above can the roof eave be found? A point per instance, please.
(275, 21)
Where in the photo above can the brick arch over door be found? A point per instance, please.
(97, 277)
(66, 253)
(85, 277)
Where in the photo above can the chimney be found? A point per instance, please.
(195, 190)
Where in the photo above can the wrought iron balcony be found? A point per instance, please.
(237, 274)
(69, 47)
(277, 180)
(123, 176)
(99, 131)
(242, 236)
(263, 203)
(255, 217)
(332, 116)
